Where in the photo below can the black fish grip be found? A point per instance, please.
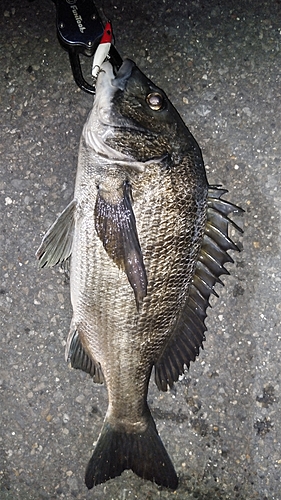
(79, 30)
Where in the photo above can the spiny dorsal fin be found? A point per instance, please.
(76, 354)
(56, 245)
(189, 335)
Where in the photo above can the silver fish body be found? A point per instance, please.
(148, 241)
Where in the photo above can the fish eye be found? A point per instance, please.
(155, 101)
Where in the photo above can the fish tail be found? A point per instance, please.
(142, 452)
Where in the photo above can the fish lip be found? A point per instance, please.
(123, 74)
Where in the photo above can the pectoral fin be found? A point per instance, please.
(57, 243)
(116, 227)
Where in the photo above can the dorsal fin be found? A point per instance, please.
(189, 335)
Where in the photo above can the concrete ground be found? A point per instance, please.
(219, 62)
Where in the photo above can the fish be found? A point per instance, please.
(147, 240)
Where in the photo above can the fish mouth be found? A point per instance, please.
(123, 74)
(117, 80)
(103, 122)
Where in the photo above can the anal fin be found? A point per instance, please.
(79, 358)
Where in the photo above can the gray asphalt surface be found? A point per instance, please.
(219, 62)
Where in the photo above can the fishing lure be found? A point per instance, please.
(102, 50)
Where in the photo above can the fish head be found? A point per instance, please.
(134, 118)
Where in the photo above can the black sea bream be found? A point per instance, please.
(148, 240)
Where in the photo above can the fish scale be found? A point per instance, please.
(172, 261)
(148, 241)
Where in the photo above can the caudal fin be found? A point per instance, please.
(143, 453)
